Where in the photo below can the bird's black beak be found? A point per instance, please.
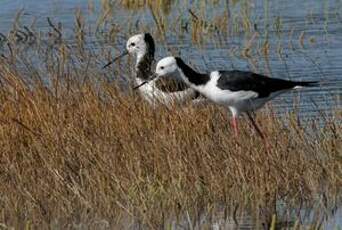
(153, 76)
(115, 59)
(138, 86)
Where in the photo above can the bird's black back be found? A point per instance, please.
(248, 81)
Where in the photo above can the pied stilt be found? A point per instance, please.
(166, 90)
(240, 91)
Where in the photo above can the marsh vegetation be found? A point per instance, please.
(81, 149)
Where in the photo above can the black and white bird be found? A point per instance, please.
(240, 91)
(163, 90)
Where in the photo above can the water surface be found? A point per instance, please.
(305, 39)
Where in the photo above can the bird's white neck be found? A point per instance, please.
(140, 56)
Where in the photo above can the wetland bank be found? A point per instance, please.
(80, 149)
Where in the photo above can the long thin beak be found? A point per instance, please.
(153, 76)
(138, 86)
(115, 59)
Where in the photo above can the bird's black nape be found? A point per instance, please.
(194, 77)
(144, 66)
(150, 43)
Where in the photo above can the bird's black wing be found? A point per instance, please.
(248, 81)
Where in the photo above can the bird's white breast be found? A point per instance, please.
(148, 90)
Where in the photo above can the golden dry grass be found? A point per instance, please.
(83, 156)
(82, 153)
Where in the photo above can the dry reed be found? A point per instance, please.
(87, 156)
(77, 151)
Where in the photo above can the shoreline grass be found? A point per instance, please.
(78, 151)
(73, 155)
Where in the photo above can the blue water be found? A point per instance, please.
(308, 34)
(319, 59)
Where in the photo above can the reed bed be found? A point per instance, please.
(79, 155)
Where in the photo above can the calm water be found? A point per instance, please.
(320, 57)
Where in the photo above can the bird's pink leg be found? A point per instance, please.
(235, 126)
(259, 132)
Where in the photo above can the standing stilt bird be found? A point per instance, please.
(165, 91)
(240, 91)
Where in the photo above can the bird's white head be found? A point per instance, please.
(141, 44)
(166, 66)
(136, 44)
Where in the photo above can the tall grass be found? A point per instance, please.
(86, 156)
(79, 151)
